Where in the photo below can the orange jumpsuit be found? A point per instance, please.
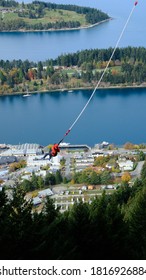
(54, 151)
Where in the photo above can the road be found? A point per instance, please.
(137, 171)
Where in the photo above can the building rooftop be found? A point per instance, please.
(44, 193)
(24, 149)
(36, 201)
(7, 159)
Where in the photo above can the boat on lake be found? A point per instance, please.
(64, 144)
(26, 95)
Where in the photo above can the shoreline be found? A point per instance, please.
(61, 29)
(75, 89)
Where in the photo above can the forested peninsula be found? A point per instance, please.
(77, 70)
(46, 16)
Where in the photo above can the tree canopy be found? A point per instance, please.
(75, 70)
(110, 227)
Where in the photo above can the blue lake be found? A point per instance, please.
(37, 46)
(115, 115)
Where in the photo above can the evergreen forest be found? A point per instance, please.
(111, 227)
(82, 69)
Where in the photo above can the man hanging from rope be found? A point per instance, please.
(55, 148)
(53, 151)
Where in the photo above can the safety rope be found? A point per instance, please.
(118, 41)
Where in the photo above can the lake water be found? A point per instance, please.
(37, 46)
(115, 115)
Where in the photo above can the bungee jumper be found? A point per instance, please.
(55, 149)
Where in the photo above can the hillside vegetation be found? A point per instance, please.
(78, 70)
(111, 227)
(46, 16)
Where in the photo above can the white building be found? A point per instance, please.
(44, 193)
(33, 161)
(125, 165)
(23, 150)
(36, 201)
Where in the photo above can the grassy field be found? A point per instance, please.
(51, 16)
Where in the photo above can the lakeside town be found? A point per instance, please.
(106, 166)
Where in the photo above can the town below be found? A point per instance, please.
(84, 172)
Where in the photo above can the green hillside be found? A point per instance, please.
(46, 16)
